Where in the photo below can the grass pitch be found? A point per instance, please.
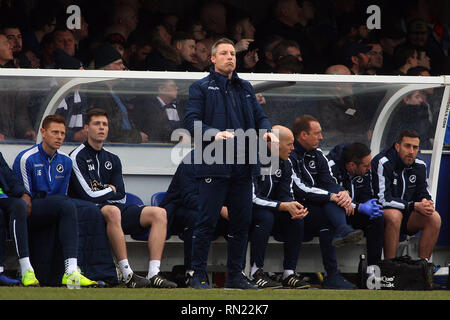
(47, 293)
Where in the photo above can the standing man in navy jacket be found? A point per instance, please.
(97, 177)
(218, 105)
(400, 181)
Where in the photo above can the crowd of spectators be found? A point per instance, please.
(294, 36)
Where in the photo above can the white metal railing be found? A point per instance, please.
(79, 77)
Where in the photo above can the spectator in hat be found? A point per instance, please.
(117, 41)
(355, 57)
(419, 37)
(121, 128)
(106, 57)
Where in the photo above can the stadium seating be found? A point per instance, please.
(157, 198)
(154, 201)
(134, 199)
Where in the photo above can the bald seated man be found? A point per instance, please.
(338, 69)
(276, 212)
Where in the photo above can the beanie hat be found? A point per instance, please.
(104, 55)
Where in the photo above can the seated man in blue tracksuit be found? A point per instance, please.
(182, 207)
(327, 202)
(97, 177)
(400, 182)
(350, 165)
(45, 172)
(276, 212)
(13, 217)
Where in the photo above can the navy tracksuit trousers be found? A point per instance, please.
(374, 233)
(279, 223)
(60, 210)
(322, 221)
(182, 224)
(13, 213)
(235, 192)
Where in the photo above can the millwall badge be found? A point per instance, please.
(60, 168)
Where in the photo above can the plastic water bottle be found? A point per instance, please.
(362, 272)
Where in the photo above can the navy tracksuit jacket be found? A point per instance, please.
(396, 185)
(313, 185)
(93, 171)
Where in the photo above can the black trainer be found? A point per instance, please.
(295, 281)
(240, 282)
(158, 281)
(263, 281)
(135, 281)
(348, 236)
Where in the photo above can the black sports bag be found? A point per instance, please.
(401, 273)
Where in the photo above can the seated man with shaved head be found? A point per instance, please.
(276, 212)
